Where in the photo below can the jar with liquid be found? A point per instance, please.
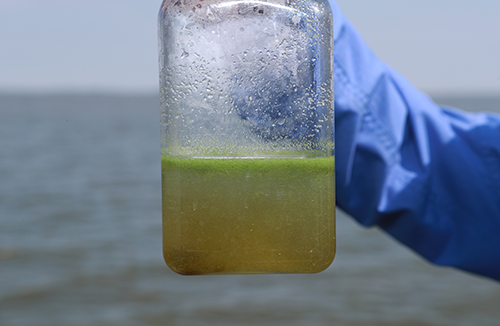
(247, 141)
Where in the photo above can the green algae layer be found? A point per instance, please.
(237, 216)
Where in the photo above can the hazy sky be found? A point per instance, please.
(450, 46)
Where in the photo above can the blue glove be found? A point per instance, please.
(427, 175)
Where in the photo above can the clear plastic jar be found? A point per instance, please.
(247, 136)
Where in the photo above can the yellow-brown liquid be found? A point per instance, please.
(234, 216)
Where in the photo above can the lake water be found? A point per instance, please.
(80, 238)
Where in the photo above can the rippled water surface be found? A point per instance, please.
(80, 239)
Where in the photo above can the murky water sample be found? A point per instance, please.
(247, 136)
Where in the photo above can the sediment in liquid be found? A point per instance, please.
(248, 215)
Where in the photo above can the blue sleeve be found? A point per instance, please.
(427, 175)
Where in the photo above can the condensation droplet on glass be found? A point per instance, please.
(184, 54)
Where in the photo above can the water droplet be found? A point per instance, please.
(184, 54)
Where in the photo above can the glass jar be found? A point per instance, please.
(247, 142)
